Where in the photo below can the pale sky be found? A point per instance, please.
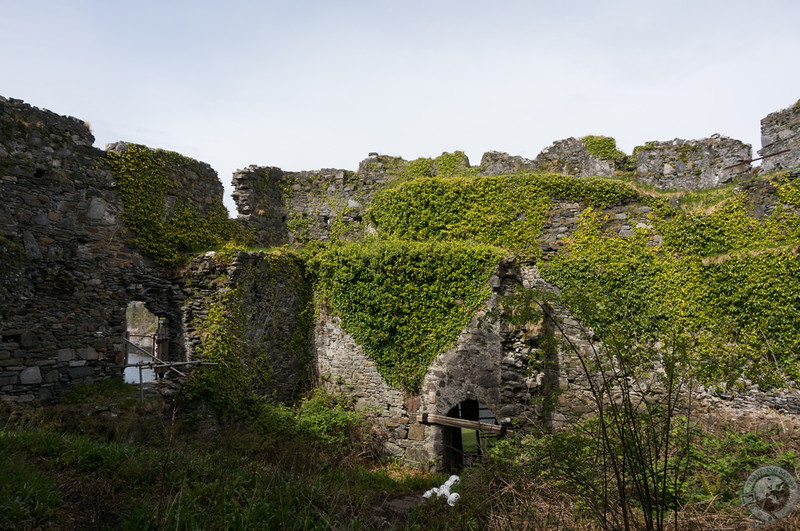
(309, 84)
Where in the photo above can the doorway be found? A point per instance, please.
(145, 335)
(464, 446)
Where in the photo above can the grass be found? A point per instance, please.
(98, 462)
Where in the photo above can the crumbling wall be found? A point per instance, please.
(780, 132)
(692, 164)
(571, 156)
(270, 293)
(68, 268)
(287, 207)
(501, 163)
(517, 372)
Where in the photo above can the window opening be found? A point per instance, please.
(145, 334)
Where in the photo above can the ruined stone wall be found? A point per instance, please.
(287, 207)
(500, 163)
(276, 300)
(692, 164)
(571, 157)
(514, 371)
(563, 219)
(780, 131)
(68, 270)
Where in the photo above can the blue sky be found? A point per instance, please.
(312, 84)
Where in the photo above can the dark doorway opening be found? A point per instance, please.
(464, 446)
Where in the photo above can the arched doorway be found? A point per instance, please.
(463, 446)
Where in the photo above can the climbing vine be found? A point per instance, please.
(404, 302)
(243, 349)
(605, 148)
(166, 224)
(728, 282)
(506, 211)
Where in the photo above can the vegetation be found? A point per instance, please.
(605, 148)
(704, 291)
(404, 302)
(242, 354)
(150, 466)
(506, 211)
(551, 481)
(166, 224)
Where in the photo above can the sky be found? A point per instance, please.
(309, 84)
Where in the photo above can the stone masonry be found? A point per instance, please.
(571, 157)
(692, 164)
(780, 132)
(288, 207)
(275, 296)
(500, 163)
(68, 271)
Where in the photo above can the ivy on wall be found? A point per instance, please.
(165, 222)
(248, 325)
(605, 148)
(506, 211)
(723, 280)
(404, 302)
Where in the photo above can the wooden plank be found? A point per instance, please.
(441, 420)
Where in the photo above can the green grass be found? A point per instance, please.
(152, 466)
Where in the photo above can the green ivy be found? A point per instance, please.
(404, 302)
(788, 189)
(145, 179)
(242, 376)
(727, 282)
(505, 211)
(605, 148)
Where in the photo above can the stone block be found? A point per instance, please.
(8, 379)
(45, 394)
(416, 432)
(80, 372)
(30, 376)
(66, 354)
(87, 353)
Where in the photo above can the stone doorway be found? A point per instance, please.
(463, 446)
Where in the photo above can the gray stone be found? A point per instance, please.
(65, 354)
(780, 140)
(30, 376)
(97, 209)
(87, 353)
(30, 245)
(80, 372)
(692, 164)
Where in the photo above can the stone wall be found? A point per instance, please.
(572, 157)
(692, 164)
(68, 270)
(500, 163)
(780, 131)
(288, 207)
(513, 371)
(563, 218)
(276, 298)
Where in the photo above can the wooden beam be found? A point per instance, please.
(441, 420)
